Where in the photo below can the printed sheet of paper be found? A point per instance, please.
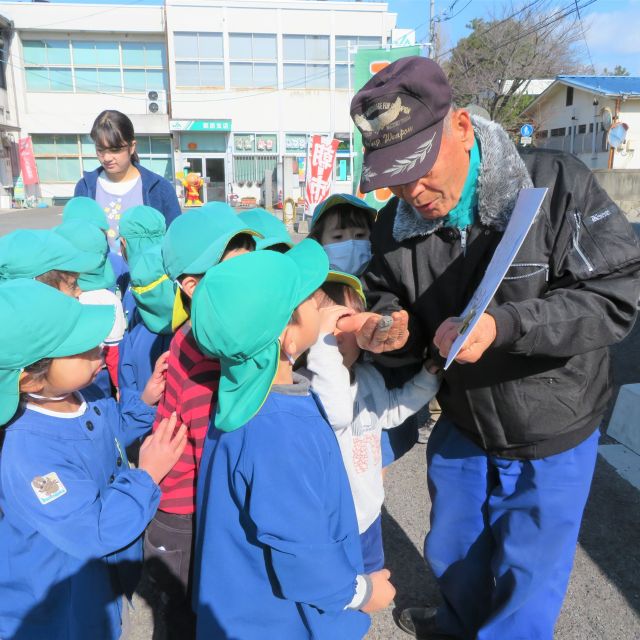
(527, 207)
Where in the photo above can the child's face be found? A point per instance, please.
(306, 330)
(72, 373)
(332, 233)
(348, 347)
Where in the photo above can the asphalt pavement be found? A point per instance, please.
(603, 599)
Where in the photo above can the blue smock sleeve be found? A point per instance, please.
(86, 520)
(134, 417)
(289, 506)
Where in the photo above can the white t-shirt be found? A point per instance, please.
(358, 412)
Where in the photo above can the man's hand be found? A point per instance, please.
(477, 342)
(155, 386)
(372, 338)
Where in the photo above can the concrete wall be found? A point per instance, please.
(622, 187)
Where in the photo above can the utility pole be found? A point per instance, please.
(432, 29)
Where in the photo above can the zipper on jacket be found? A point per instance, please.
(576, 241)
(463, 240)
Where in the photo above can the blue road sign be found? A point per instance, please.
(526, 130)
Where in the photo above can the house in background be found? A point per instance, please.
(575, 114)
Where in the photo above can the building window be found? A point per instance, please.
(253, 155)
(559, 132)
(63, 158)
(569, 98)
(86, 66)
(306, 62)
(582, 128)
(542, 134)
(199, 59)
(253, 60)
(343, 57)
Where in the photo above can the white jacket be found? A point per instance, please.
(358, 412)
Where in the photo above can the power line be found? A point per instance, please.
(584, 37)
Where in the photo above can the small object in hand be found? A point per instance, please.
(384, 323)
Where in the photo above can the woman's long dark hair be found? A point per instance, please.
(113, 129)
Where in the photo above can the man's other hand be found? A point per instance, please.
(477, 342)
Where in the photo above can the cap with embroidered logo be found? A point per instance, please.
(400, 113)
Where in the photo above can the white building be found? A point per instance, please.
(240, 84)
(575, 114)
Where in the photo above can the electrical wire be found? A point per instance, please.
(584, 37)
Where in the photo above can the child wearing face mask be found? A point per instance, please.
(342, 225)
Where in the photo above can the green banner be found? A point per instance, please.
(367, 63)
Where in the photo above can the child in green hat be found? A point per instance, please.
(194, 242)
(45, 256)
(150, 338)
(359, 406)
(277, 532)
(96, 288)
(72, 509)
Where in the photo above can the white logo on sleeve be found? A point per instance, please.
(48, 488)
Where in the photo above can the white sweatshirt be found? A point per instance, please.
(358, 412)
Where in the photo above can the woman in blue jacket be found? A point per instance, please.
(121, 182)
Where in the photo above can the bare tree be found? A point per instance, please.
(495, 63)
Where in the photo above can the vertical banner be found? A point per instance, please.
(319, 171)
(367, 63)
(27, 161)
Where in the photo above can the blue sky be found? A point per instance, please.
(610, 25)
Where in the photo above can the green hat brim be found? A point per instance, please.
(244, 387)
(213, 254)
(92, 326)
(349, 280)
(340, 198)
(268, 242)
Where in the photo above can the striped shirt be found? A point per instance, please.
(191, 391)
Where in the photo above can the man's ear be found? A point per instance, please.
(189, 285)
(462, 127)
(28, 384)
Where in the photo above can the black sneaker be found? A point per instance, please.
(425, 431)
(420, 622)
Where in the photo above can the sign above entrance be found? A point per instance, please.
(200, 125)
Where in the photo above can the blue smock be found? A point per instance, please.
(71, 551)
(277, 547)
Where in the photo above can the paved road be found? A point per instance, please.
(603, 600)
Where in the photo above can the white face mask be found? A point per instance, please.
(349, 256)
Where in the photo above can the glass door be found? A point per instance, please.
(215, 182)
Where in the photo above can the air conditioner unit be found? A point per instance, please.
(157, 101)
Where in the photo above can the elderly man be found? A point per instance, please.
(511, 460)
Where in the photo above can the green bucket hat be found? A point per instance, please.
(40, 322)
(142, 227)
(28, 253)
(153, 291)
(82, 208)
(349, 280)
(86, 237)
(195, 242)
(238, 312)
(273, 230)
(340, 198)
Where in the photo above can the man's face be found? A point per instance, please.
(439, 191)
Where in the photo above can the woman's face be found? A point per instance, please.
(115, 160)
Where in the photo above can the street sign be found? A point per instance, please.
(526, 130)
(524, 140)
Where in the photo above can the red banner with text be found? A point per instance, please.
(319, 171)
(27, 161)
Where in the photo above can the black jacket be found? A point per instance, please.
(572, 290)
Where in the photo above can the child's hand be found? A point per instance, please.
(383, 591)
(329, 317)
(155, 387)
(161, 450)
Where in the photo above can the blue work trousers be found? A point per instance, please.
(503, 535)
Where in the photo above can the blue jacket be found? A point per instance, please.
(139, 350)
(157, 192)
(71, 550)
(277, 545)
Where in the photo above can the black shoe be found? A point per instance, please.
(420, 622)
(425, 431)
